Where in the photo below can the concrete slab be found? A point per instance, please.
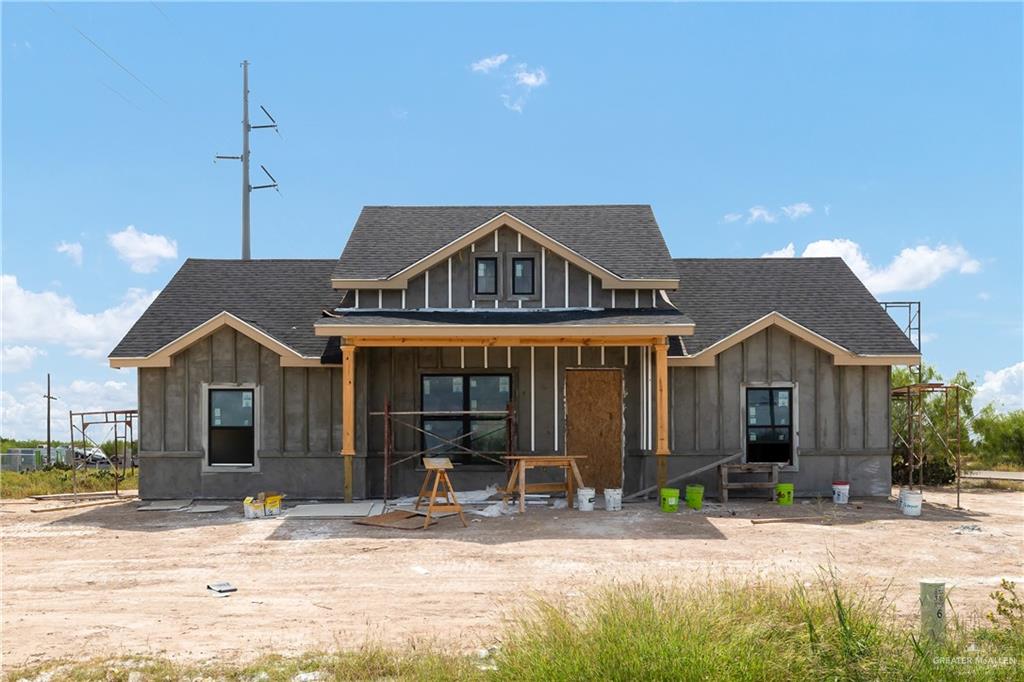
(331, 510)
(165, 505)
(205, 508)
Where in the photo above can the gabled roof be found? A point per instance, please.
(279, 299)
(725, 296)
(622, 239)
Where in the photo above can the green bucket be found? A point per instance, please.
(669, 499)
(694, 496)
(784, 493)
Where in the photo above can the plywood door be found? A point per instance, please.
(593, 424)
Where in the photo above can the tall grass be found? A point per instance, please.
(15, 484)
(726, 631)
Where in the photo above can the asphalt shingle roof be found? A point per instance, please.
(282, 298)
(723, 295)
(624, 239)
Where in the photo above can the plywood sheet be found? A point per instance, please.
(331, 510)
(400, 520)
(593, 417)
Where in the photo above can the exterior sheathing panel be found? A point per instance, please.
(299, 422)
(581, 289)
(843, 419)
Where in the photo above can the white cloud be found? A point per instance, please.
(23, 409)
(530, 79)
(518, 81)
(142, 251)
(984, 296)
(732, 217)
(798, 211)
(760, 214)
(48, 317)
(18, 358)
(928, 337)
(1004, 388)
(787, 251)
(73, 251)
(488, 64)
(912, 269)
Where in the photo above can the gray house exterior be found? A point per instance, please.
(479, 331)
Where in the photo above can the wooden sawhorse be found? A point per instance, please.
(522, 463)
(437, 467)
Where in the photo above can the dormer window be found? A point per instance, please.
(487, 276)
(522, 277)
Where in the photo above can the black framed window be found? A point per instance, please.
(232, 427)
(522, 277)
(770, 425)
(443, 394)
(487, 276)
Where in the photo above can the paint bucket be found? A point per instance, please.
(695, 496)
(613, 499)
(784, 494)
(901, 499)
(912, 502)
(840, 492)
(585, 499)
(669, 499)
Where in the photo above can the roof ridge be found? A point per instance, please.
(507, 205)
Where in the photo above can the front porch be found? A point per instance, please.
(480, 398)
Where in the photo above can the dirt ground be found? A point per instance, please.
(110, 580)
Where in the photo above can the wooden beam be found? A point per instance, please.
(661, 450)
(661, 397)
(348, 413)
(499, 341)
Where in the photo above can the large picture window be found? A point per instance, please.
(770, 425)
(232, 427)
(448, 397)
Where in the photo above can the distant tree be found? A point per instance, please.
(938, 426)
(1000, 437)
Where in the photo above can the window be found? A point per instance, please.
(232, 437)
(487, 276)
(522, 277)
(769, 425)
(461, 393)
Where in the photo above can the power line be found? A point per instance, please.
(107, 54)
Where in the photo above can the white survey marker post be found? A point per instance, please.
(933, 610)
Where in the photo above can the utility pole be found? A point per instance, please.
(244, 158)
(49, 401)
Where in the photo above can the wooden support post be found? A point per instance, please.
(348, 413)
(661, 410)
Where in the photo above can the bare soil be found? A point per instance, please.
(109, 580)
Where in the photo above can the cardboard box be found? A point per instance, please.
(263, 505)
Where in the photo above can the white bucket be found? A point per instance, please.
(840, 492)
(585, 499)
(900, 500)
(912, 502)
(613, 499)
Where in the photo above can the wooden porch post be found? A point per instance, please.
(348, 413)
(661, 410)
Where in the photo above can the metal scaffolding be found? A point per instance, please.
(912, 434)
(125, 425)
(459, 444)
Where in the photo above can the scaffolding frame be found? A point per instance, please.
(913, 433)
(911, 327)
(394, 418)
(125, 425)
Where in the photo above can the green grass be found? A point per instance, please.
(756, 631)
(15, 484)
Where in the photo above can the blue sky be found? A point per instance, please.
(889, 134)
